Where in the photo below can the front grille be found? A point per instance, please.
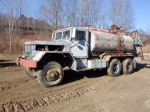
(27, 50)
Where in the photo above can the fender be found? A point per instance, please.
(33, 62)
(40, 55)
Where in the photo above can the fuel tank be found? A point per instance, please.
(102, 41)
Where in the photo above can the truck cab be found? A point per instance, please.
(78, 38)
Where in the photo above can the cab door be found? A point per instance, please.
(79, 44)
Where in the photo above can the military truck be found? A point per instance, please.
(78, 48)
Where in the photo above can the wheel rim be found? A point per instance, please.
(128, 66)
(116, 68)
(52, 75)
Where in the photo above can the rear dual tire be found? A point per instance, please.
(116, 67)
(128, 66)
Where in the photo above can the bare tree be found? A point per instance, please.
(20, 7)
(13, 11)
(52, 10)
(84, 13)
(10, 12)
(103, 20)
(98, 16)
(75, 13)
(148, 29)
(122, 14)
(70, 13)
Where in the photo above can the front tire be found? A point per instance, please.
(31, 72)
(114, 68)
(128, 66)
(51, 75)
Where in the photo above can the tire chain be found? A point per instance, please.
(47, 100)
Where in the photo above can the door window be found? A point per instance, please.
(80, 35)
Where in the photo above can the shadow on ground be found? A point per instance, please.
(6, 63)
(71, 76)
(5, 60)
(140, 66)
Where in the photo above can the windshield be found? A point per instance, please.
(58, 35)
(66, 34)
(63, 35)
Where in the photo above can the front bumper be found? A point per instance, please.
(26, 63)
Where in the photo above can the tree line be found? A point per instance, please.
(64, 13)
(94, 13)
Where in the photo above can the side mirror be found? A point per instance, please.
(72, 39)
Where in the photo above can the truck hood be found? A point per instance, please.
(53, 42)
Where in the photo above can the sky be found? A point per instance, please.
(142, 13)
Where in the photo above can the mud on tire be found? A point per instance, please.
(114, 68)
(31, 72)
(51, 75)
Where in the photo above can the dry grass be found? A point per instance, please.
(17, 43)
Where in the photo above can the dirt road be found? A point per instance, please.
(87, 91)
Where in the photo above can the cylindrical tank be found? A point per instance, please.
(102, 41)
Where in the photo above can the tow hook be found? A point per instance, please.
(18, 61)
